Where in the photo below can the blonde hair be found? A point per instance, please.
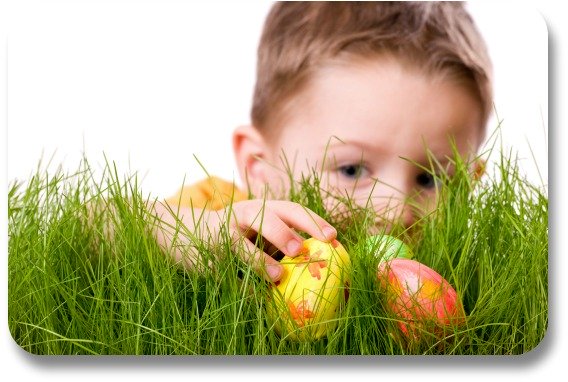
(300, 37)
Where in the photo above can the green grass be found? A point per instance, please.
(72, 291)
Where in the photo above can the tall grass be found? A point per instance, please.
(74, 291)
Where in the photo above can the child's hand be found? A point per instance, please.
(276, 221)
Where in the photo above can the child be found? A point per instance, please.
(360, 91)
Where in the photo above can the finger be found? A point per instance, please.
(268, 248)
(263, 264)
(302, 218)
(259, 219)
(276, 221)
(279, 234)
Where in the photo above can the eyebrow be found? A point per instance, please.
(341, 143)
(442, 157)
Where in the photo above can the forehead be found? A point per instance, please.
(382, 103)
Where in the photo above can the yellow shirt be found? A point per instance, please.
(211, 193)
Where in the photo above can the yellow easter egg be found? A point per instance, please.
(306, 300)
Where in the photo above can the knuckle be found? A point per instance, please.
(282, 234)
(246, 212)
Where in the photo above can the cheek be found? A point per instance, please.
(278, 184)
(345, 206)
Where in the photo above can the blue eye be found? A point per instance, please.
(427, 180)
(352, 171)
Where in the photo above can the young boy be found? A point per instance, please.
(360, 91)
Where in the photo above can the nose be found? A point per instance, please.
(394, 207)
(404, 214)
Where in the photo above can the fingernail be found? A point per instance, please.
(274, 271)
(293, 247)
(329, 232)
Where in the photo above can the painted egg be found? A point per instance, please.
(419, 296)
(305, 301)
(386, 247)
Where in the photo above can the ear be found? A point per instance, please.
(250, 151)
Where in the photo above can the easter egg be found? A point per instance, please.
(305, 301)
(386, 247)
(420, 297)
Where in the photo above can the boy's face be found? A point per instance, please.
(364, 127)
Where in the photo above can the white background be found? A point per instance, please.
(152, 84)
